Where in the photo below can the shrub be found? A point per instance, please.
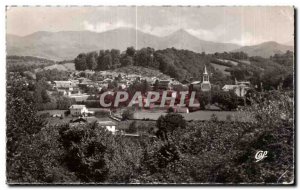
(132, 127)
(127, 114)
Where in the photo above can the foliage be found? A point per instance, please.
(80, 62)
(52, 75)
(226, 100)
(132, 127)
(127, 114)
(85, 151)
(223, 151)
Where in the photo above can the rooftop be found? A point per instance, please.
(77, 106)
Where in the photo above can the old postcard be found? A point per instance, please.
(150, 95)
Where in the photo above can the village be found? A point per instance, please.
(149, 95)
(86, 91)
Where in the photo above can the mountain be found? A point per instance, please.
(184, 40)
(68, 44)
(265, 49)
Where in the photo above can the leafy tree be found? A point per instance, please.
(80, 62)
(155, 85)
(64, 103)
(52, 75)
(107, 62)
(85, 151)
(91, 62)
(115, 55)
(226, 100)
(204, 99)
(126, 61)
(145, 57)
(130, 51)
(127, 114)
(167, 124)
(22, 124)
(132, 127)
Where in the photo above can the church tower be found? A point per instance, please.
(205, 85)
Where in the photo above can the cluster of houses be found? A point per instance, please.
(77, 86)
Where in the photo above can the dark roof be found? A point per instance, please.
(78, 120)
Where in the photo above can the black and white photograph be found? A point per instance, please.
(150, 95)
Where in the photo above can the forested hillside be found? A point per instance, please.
(187, 65)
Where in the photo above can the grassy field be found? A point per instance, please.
(143, 71)
(198, 115)
(221, 68)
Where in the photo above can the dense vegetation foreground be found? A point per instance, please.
(181, 152)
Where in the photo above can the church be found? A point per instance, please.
(205, 85)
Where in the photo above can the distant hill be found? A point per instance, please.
(266, 49)
(68, 44)
(28, 61)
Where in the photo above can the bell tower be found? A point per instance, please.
(205, 75)
(205, 85)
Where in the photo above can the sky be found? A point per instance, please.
(240, 25)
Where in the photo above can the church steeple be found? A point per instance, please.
(205, 85)
(205, 75)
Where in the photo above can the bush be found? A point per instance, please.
(214, 117)
(132, 127)
(127, 114)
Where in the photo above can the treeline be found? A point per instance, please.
(179, 64)
(18, 59)
(185, 65)
(232, 55)
(26, 63)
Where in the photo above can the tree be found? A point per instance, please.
(172, 71)
(91, 60)
(167, 124)
(145, 86)
(64, 103)
(80, 62)
(130, 51)
(127, 114)
(145, 57)
(155, 85)
(170, 110)
(107, 62)
(204, 99)
(126, 61)
(86, 149)
(226, 100)
(115, 55)
(132, 127)
(22, 124)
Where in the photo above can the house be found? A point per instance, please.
(164, 84)
(78, 110)
(195, 85)
(185, 81)
(109, 125)
(78, 121)
(64, 85)
(239, 88)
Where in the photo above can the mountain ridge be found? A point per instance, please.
(63, 45)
